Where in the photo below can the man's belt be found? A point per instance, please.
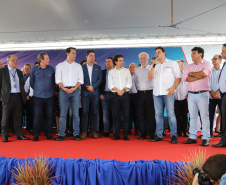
(69, 87)
(146, 91)
(14, 93)
(197, 92)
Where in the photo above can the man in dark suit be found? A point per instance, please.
(90, 94)
(13, 98)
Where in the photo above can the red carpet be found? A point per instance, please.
(105, 148)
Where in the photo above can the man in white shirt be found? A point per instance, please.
(69, 77)
(164, 72)
(145, 98)
(133, 114)
(119, 82)
(181, 103)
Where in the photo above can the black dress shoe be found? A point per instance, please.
(77, 138)
(105, 134)
(116, 137)
(69, 134)
(174, 140)
(137, 132)
(142, 137)
(60, 138)
(190, 141)
(164, 133)
(126, 138)
(5, 139)
(205, 142)
(218, 135)
(152, 136)
(50, 138)
(219, 145)
(156, 138)
(22, 137)
(179, 133)
(186, 134)
(35, 138)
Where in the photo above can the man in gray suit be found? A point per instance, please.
(13, 98)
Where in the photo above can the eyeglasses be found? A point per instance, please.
(214, 59)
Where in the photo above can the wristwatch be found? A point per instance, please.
(124, 90)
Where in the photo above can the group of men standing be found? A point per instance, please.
(153, 87)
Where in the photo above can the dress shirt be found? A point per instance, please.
(25, 77)
(106, 85)
(223, 180)
(42, 81)
(90, 70)
(27, 87)
(133, 89)
(222, 79)
(201, 84)
(164, 76)
(14, 80)
(214, 85)
(119, 79)
(181, 90)
(69, 74)
(141, 79)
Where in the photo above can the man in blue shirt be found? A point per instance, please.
(42, 79)
(222, 86)
(27, 70)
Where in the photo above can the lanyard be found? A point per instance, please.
(14, 75)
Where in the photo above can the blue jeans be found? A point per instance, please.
(64, 99)
(159, 102)
(90, 103)
(199, 102)
(107, 108)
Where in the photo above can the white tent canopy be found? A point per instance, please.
(110, 23)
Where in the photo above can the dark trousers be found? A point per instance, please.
(0, 113)
(107, 110)
(29, 115)
(133, 114)
(43, 108)
(14, 107)
(146, 112)
(89, 104)
(181, 110)
(123, 102)
(212, 109)
(223, 117)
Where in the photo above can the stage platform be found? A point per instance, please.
(104, 155)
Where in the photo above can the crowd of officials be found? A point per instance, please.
(139, 94)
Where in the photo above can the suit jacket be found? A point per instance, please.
(96, 79)
(103, 83)
(5, 86)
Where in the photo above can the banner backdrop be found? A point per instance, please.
(57, 56)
